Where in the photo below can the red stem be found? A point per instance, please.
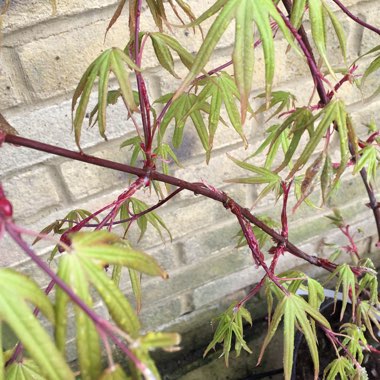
(136, 216)
(143, 95)
(356, 18)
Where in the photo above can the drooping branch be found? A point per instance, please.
(195, 187)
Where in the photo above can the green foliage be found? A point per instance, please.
(341, 367)
(347, 280)
(63, 225)
(264, 176)
(230, 325)
(245, 14)
(373, 67)
(82, 268)
(112, 60)
(15, 312)
(296, 313)
(297, 151)
(133, 209)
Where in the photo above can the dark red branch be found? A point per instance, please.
(195, 187)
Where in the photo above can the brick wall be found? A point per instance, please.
(43, 57)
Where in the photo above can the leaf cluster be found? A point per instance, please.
(230, 325)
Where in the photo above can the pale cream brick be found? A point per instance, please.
(219, 169)
(23, 14)
(84, 179)
(54, 65)
(52, 125)
(10, 94)
(370, 13)
(186, 217)
(32, 192)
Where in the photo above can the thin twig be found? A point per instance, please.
(356, 18)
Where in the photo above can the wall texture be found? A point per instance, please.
(42, 59)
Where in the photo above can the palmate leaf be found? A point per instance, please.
(25, 370)
(354, 340)
(133, 206)
(369, 281)
(107, 248)
(296, 312)
(319, 12)
(84, 265)
(16, 289)
(333, 112)
(282, 99)
(369, 315)
(72, 272)
(372, 67)
(341, 367)
(60, 226)
(368, 158)
(221, 90)
(180, 110)
(297, 124)
(112, 60)
(162, 43)
(231, 325)
(264, 176)
(245, 13)
(346, 280)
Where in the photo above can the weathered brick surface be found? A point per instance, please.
(93, 179)
(52, 125)
(23, 14)
(32, 192)
(10, 94)
(54, 65)
(43, 60)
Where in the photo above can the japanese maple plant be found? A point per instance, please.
(298, 156)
